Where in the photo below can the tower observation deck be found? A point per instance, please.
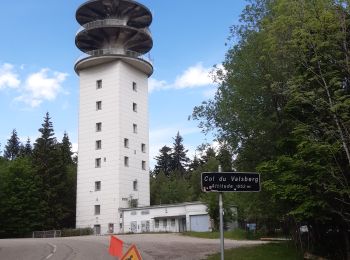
(113, 29)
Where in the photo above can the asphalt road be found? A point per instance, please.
(151, 246)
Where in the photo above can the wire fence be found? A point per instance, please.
(47, 234)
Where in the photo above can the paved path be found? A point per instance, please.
(151, 246)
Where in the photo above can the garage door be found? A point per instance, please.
(199, 223)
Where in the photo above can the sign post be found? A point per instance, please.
(228, 182)
(221, 214)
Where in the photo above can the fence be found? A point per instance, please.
(47, 234)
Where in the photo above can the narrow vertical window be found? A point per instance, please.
(98, 127)
(126, 142)
(126, 161)
(134, 126)
(97, 209)
(98, 105)
(134, 185)
(143, 148)
(98, 145)
(143, 165)
(97, 185)
(99, 84)
(134, 86)
(98, 163)
(134, 107)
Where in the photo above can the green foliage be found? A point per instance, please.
(77, 232)
(169, 190)
(164, 161)
(19, 201)
(283, 106)
(38, 188)
(12, 148)
(172, 159)
(273, 251)
(179, 155)
(237, 234)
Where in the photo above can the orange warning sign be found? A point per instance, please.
(132, 254)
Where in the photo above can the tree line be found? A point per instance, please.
(176, 178)
(37, 184)
(283, 108)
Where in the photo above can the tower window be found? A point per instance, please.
(143, 148)
(97, 185)
(98, 145)
(126, 142)
(134, 107)
(126, 161)
(134, 185)
(134, 126)
(143, 165)
(97, 209)
(134, 86)
(98, 163)
(98, 127)
(98, 105)
(99, 84)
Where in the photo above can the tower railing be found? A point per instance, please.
(112, 51)
(109, 22)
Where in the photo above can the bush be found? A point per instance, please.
(77, 232)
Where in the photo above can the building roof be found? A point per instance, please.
(164, 206)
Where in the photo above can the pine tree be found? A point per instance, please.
(45, 144)
(70, 169)
(26, 150)
(164, 161)
(52, 173)
(195, 163)
(12, 149)
(179, 155)
(66, 151)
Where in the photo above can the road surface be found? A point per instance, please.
(151, 246)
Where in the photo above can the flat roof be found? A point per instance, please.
(164, 206)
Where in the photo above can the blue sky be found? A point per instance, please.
(37, 55)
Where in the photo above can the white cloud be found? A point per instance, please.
(41, 86)
(195, 76)
(8, 77)
(154, 84)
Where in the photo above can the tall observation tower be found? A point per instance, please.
(113, 112)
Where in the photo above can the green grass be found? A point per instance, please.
(237, 234)
(272, 251)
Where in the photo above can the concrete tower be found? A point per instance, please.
(113, 113)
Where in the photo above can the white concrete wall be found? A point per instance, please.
(166, 212)
(117, 118)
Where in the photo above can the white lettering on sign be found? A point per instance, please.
(244, 179)
(208, 178)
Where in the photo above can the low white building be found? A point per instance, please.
(189, 216)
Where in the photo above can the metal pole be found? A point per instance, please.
(221, 213)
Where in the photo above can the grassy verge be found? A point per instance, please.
(237, 234)
(272, 251)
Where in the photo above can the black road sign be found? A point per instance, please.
(230, 182)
